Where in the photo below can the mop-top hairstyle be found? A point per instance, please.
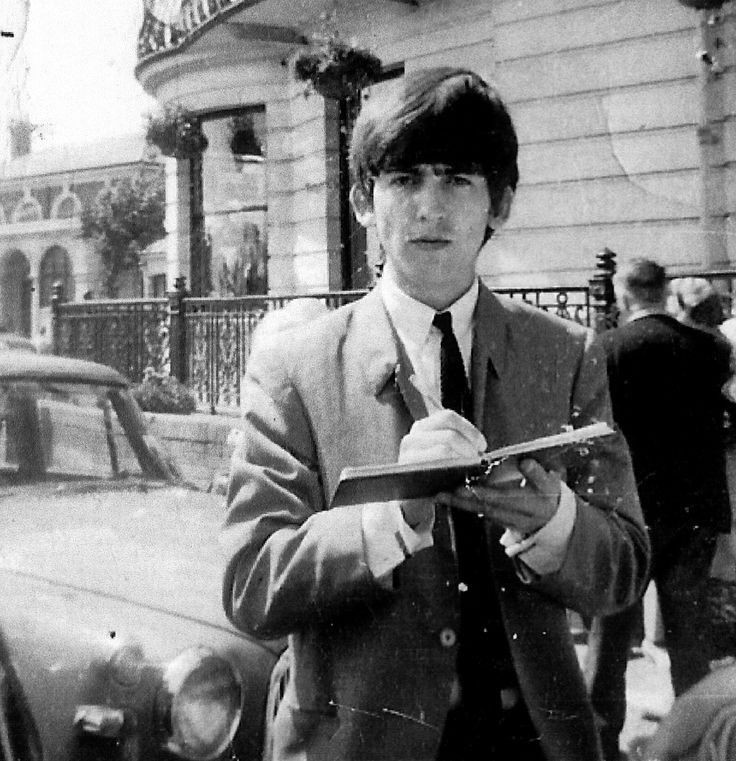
(436, 116)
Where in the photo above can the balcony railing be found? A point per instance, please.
(158, 35)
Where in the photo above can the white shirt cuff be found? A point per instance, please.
(544, 551)
(388, 539)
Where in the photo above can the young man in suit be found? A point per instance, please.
(665, 380)
(415, 634)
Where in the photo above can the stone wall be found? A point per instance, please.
(201, 444)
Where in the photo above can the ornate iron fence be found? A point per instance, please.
(206, 341)
(572, 303)
(217, 339)
(128, 335)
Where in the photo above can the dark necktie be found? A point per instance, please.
(453, 381)
(484, 661)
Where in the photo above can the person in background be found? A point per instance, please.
(429, 629)
(700, 725)
(695, 302)
(665, 379)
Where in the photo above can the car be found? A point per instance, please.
(111, 622)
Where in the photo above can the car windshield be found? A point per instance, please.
(53, 430)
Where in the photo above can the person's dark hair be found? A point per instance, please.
(436, 116)
(644, 280)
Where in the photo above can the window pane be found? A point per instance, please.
(62, 429)
(234, 201)
(158, 286)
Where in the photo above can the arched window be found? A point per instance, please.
(55, 267)
(28, 210)
(66, 206)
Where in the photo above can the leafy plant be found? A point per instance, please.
(125, 219)
(335, 68)
(159, 392)
(176, 132)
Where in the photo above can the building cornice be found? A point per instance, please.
(73, 176)
(39, 228)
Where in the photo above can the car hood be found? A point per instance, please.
(152, 545)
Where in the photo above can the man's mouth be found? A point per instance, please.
(430, 241)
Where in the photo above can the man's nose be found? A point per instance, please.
(430, 200)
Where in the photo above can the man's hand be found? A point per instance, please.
(441, 435)
(418, 513)
(438, 436)
(522, 499)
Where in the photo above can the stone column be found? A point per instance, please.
(177, 220)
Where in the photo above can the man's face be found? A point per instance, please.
(431, 221)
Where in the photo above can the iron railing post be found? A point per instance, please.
(177, 330)
(602, 297)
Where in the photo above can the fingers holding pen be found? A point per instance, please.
(443, 434)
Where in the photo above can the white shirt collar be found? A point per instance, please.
(646, 312)
(413, 319)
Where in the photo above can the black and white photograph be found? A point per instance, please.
(367, 380)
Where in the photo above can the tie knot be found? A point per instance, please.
(443, 322)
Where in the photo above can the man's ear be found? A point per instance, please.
(362, 205)
(623, 300)
(497, 216)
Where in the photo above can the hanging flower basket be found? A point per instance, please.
(702, 5)
(177, 133)
(336, 69)
(243, 138)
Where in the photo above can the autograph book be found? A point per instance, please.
(379, 483)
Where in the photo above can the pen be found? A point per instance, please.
(433, 402)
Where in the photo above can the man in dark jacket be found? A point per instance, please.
(665, 380)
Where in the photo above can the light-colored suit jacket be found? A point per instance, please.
(373, 667)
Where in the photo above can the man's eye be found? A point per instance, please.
(402, 180)
(459, 180)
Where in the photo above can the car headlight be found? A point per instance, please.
(198, 704)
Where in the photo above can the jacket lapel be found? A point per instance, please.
(383, 359)
(491, 347)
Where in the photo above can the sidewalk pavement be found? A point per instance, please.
(649, 693)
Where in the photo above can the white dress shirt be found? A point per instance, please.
(389, 540)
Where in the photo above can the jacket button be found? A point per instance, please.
(448, 638)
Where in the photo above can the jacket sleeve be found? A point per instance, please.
(290, 560)
(606, 564)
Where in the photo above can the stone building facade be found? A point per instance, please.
(626, 112)
(41, 197)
